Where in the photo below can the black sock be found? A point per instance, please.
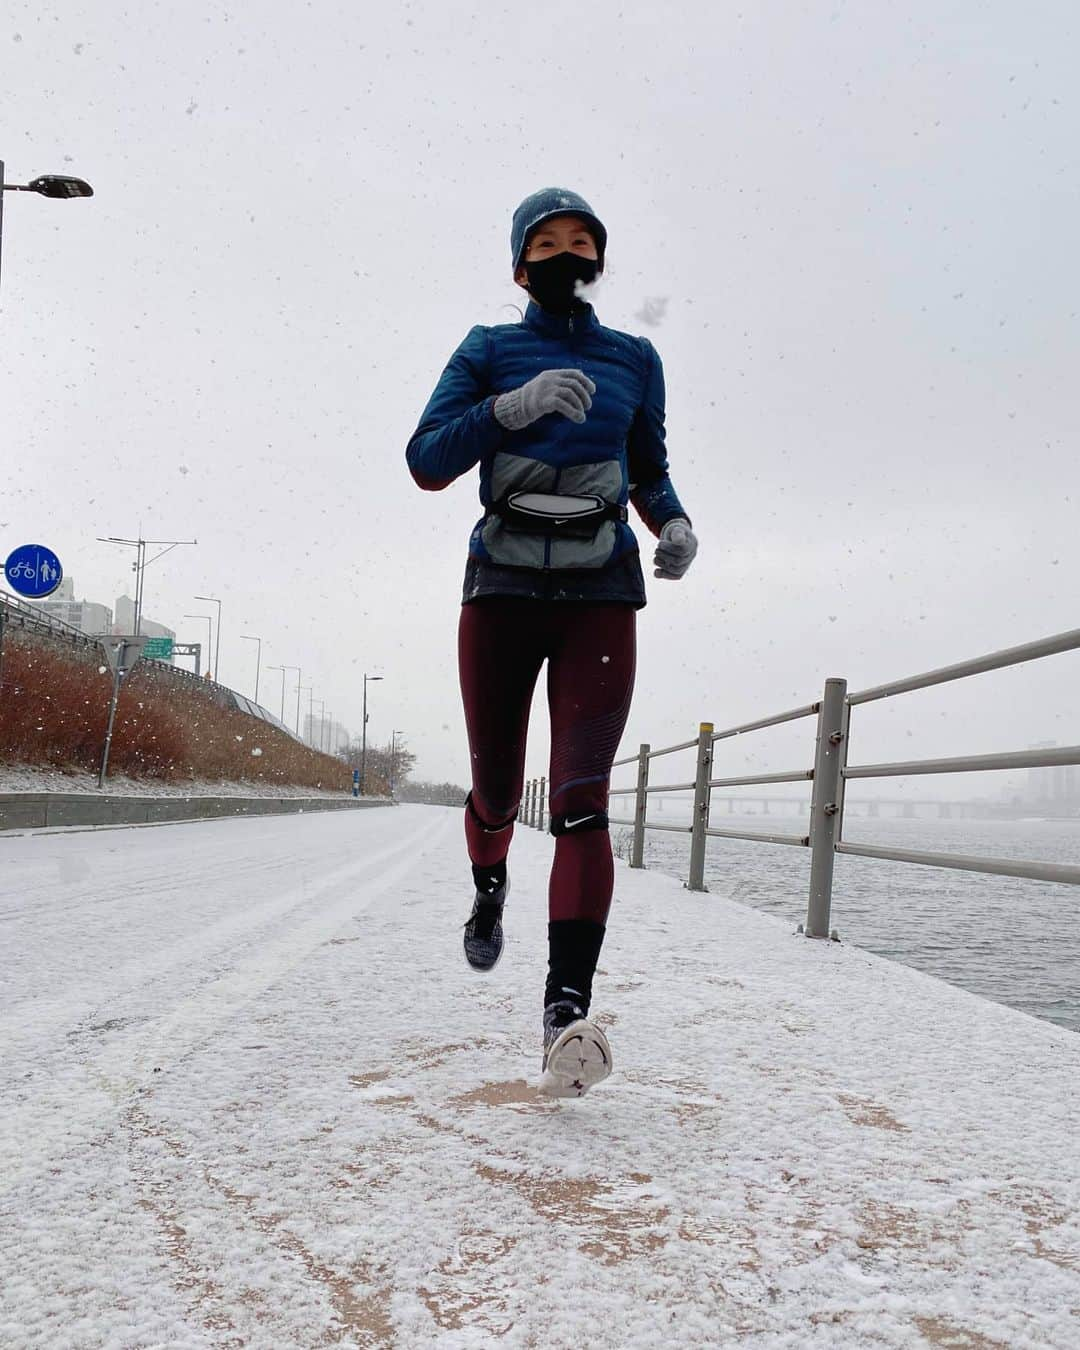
(489, 879)
(573, 951)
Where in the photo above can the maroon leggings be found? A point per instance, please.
(590, 651)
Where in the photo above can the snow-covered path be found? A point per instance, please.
(252, 1096)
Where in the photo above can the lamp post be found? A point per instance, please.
(141, 563)
(58, 186)
(209, 630)
(217, 643)
(282, 669)
(258, 659)
(297, 669)
(309, 689)
(363, 742)
(393, 761)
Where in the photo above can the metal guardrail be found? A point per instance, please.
(22, 614)
(829, 776)
(25, 615)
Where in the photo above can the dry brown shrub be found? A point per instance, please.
(54, 704)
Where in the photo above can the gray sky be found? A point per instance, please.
(864, 222)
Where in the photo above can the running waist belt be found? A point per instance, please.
(551, 513)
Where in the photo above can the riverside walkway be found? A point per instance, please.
(252, 1096)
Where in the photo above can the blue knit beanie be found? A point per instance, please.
(541, 206)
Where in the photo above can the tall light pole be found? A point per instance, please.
(217, 643)
(141, 563)
(258, 659)
(282, 669)
(309, 689)
(209, 622)
(363, 742)
(55, 185)
(393, 762)
(297, 669)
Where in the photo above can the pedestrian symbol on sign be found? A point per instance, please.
(34, 571)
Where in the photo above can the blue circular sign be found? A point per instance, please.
(34, 571)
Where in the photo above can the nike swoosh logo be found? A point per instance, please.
(571, 823)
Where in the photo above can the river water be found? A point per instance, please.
(1006, 938)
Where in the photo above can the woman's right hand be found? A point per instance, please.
(568, 392)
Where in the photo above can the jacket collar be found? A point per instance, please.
(559, 325)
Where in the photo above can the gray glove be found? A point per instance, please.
(676, 550)
(563, 391)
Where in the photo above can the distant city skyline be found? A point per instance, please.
(94, 618)
(324, 732)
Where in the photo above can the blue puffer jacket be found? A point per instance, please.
(625, 424)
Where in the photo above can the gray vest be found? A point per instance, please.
(513, 546)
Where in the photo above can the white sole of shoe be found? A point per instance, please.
(578, 1060)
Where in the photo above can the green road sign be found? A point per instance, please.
(158, 648)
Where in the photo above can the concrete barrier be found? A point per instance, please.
(44, 810)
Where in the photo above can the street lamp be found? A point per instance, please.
(217, 644)
(258, 659)
(141, 563)
(297, 669)
(209, 632)
(363, 743)
(56, 185)
(282, 669)
(393, 761)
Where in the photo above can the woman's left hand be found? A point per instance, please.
(676, 550)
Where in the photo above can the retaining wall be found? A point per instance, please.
(41, 810)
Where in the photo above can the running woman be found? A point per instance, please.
(566, 421)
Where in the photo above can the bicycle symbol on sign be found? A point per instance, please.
(33, 571)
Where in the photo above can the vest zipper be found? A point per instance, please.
(547, 538)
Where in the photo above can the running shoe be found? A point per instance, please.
(576, 1052)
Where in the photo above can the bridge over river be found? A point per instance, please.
(672, 804)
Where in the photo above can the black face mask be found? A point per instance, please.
(552, 280)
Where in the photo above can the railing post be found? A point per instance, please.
(827, 803)
(532, 804)
(637, 851)
(702, 794)
(543, 802)
(526, 805)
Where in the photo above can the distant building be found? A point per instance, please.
(125, 620)
(85, 615)
(1056, 786)
(324, 733)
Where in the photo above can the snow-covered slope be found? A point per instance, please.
(252, 1096)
